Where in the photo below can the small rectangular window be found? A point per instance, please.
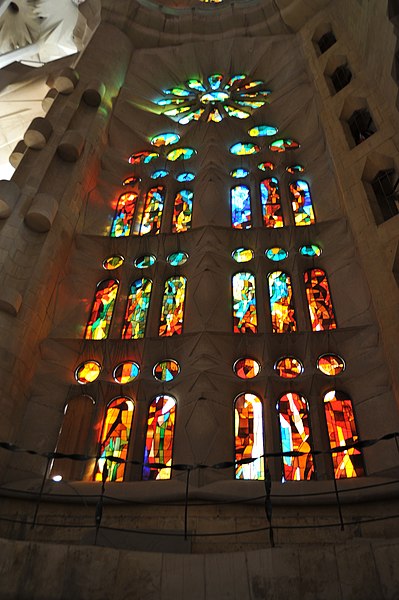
(326, 41)
(385, 187)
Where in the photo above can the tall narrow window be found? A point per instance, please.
(319, 300)
(114, 441)
(159, 438)
(123, 219)
(244, 303)
(361, 125)
(281, 302)
(295, 436)
(172, 312)
(103, 307)
(249, 436)
(137, 307)
(153, 209)
(271, 203)
(326, 41)
(240, 198)
(182, 211)
(341, 431)
(301, 202)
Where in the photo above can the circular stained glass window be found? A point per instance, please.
(288, 367)
(126, 372)
(177, 258)
(242, 255)
(295, 169)
(166, 370)
(165, 139)
(145, 261)
(113, 262)
(159, 174)
(331, 364)
(244, 149)
(266, 166)
(311, 250)
(276, 254)
(239, 173)
(186, 176)
(246, 368)
(131, 180)
(87, 372)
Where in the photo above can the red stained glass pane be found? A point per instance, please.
(331, 364)
(137, 307)
(159, 438)
(103, 307)
(173, 307)
(87, 372)
(244, 304)
(319, 300)
(295, 436)
(182, 211)
(289, 367)
(124, 213)
(246, 368)
(249, 436)
(153, 209)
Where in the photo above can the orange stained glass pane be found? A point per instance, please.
(249, 436)
(124, 213)
(288, 367)
(295, 436)
(113, 262)
(331, 364)
(126, 372)
(114, 441)
(153, 209)
(87, 372)
(246, 368)
(244, 303)
(172, 313)
(182, 211)
(341, 431)
(301, 202)
(166, 370)
(281, 302)
(103, 307)
(319, 300)
(159, 439)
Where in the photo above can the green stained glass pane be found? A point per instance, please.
(165, 139)
(250, 103)
(266, 166)
(215, 81)
(262, 131)
(239, 173)
(192, 116)
(236, 113)
(145, 261)
(186, 176)
(178, 92)
(113, 262)
(194, 84)
(242, 255)
(181, 154)
(173, 112)
(283, 145)
(276, 254)
(295, 169)
(159, 174)
(241, 149)
(166, 370)
(142, 157)
(176, 259)
(234, 80)
(311, 250)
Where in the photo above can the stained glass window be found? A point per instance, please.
(301, 203)
(242, 255)
(281, 302)
(186, 176)
(240, 199)
(172, 313)
(131, 181)
(137, 307)
(319, 300)
(266, 166)
(271, 203)
(159, 438)
(295, 436)
(153, 209)
(144, 157)
(246, 368)
(124, 213)
(263, 130)
(113, 262)
(244, 303)
(292, 169)
(159, 174)
(126, 372)
(288, 367)
(103, 307)
(166, 370)
(341, 431)
(249, 436)
(312, 250)
(182, 211)
(165, 139)
(239, 173)
(276, 254)
(181, 154)
(244, 149)
(284, 145)
(145, 261)
(176, 259)
(114, 441)
(330, 364)
(87, 372)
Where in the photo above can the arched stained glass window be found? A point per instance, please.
(153, 209)
(159, 438)
(124, 213)
(281, 302)
(244, 303)
(240, 199)
(172, 312)
(341, 431)
(295, 436)
(248, 420)
(137, 307)
(103, 307)
(271, 203)
(114, 441)
(301, 202)
(319, 300)
(182, 211)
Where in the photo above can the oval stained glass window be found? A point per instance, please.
(242, 255)
(311, 250)
(145, 261)
(283, 145)
(186, 176)
(295, 169)
(87, 372)
(113, 262)
(276, 254)
(288, 367)
(181, 154)
(177, 258)
(131, 180)
(241, 149)
(126, 372)
(142, 157)
(239, 173)
(159, 174)
(262, 131)
(330, 364)
(266, 166)
(165, 139)
(246, 368)
(166, 370)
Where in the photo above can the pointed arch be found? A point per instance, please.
(293, 412)
(271, 203)
(137, 307)
(341, 431)
(281, 302)
(159, 438)
(115, 438)
(240, 203)
(248, 430)
(244, 303)
(319, 300)
(172, 312)
(99, 322)
(301, 202)
(182, 211)
(153, 210)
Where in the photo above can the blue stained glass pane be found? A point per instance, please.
(312, 250)
(159, 174)
(241, 207)
(177, 258)
(276, 254)
(239, 173)
(185, 177)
